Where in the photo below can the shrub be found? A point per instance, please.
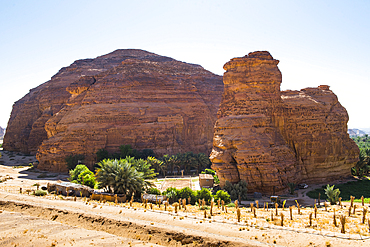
(171, 194)
(73, 160)
(102, 154)
(237, 190)
(332, 194)
(291, 188)
(82, 175)
(185, 193)
(231, 205)
(40, 193)
(222, 195)
(153, 191)
(204, 194)
(120, 177)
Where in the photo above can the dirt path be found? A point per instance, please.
(163, 229)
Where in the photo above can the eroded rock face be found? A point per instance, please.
(138, 98)
(271, 138)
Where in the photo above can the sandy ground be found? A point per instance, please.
(27, 220)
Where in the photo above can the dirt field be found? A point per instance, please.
(27, 220)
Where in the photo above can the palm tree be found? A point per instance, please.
(120, 177)
(202, 161)
(157, 164)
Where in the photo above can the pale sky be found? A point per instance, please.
(317, 42)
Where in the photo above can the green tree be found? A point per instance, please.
(202, 162)
(204, 194)
(120, 177)
(237, 190)
(126, 150)
(223, 195)
(171, 193)
(73, 160)
(102, 154)
(332, 194)
(82, 175)
(171, 162)
(157, 165)
(185, 193)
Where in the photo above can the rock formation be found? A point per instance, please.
(271, 138)
(125, 97)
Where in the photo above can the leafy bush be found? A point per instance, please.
(222, 195)
(185, 193)
(236, 190)
(231, 205)
(171, 194)
(82, 175)
(204, 194)
(332, 194)
(40, 193)
(153, 191)
(73, 160)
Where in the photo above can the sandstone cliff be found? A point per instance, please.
(125, 97)
(271, 138)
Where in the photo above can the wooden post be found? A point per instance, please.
(335, 219)
(238, 214)
(310, 219)
(282, 219)
(291, 212)
(343, 222)
(364, 212)
(276, 208)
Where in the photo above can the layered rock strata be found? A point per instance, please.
(125, 97)
(271, 138)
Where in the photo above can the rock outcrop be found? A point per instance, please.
(271, 138)
(125, 97)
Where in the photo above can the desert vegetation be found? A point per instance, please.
(167, 165)
(362, 167)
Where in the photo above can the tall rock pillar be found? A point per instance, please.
(247, 145)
